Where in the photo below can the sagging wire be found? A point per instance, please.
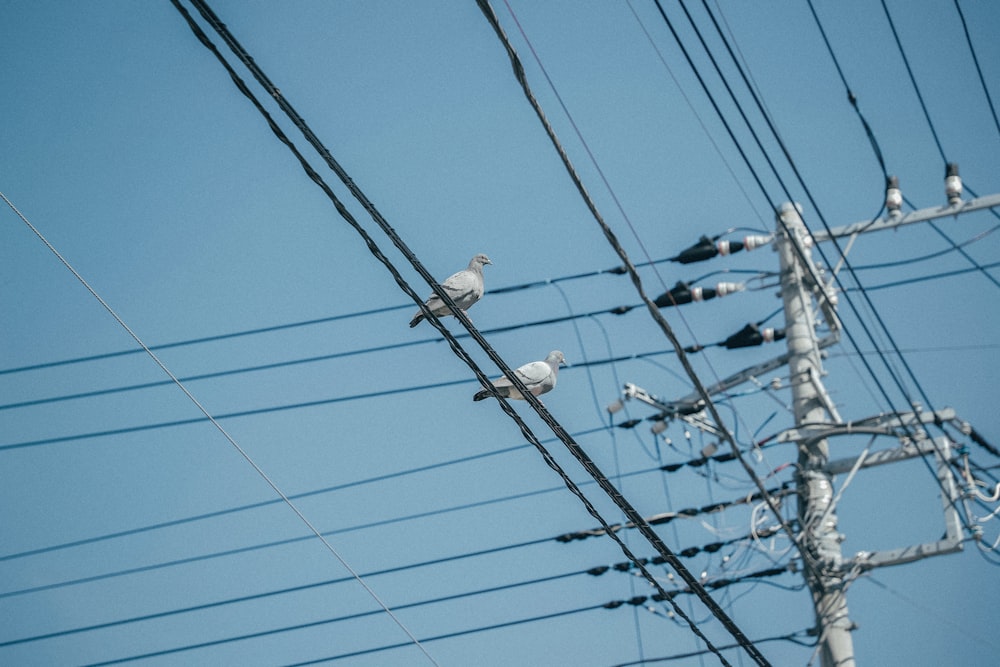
(609, 234)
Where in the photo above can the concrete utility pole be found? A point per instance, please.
(806, 295)
(818, 537)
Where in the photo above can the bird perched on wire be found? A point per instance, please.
(539, 377)
(465, 288)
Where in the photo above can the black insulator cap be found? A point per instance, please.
(699, 252)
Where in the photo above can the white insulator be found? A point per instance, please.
(709, 449)
(658, 427)
(615, 407)
(953, 189)
(767, 334)
(722, 289)
(697, 294)
(893, 200)
(722, 247)
(756, 241)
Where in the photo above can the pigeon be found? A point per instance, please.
(465, 288)
(538, 376)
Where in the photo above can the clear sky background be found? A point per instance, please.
(129, 148)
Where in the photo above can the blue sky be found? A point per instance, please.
(129, 148)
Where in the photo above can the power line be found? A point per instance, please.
(610, 530)
(653, 307)
(574, 449)
(636, 281)
(279, 408)
(618, 310)
(325, 320)
(979, 70)
(266, 503)
(218, 426)
(688, 552)
(913, 80)
(791, 637)
(611, 605)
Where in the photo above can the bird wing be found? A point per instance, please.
(464, 287)
(534, 374)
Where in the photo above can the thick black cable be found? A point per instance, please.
(979, 70)
(739, 147)
(612, 239)
(826, 226)
(810, 566)
(651, 306)
(573, 447)
(787, 193)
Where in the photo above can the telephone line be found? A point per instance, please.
(610, 530)
(266, 503)
(979, 70)
(575, 450)
(281, 408)
(618, 310)
(314, 321)
(657, 317)
(688, 552)
(715, 584)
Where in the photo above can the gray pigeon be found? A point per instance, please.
(539, 377)
(465, 288)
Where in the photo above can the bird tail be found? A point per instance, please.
(416, 320)
(480, 395)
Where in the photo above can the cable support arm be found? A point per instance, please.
(922, 215)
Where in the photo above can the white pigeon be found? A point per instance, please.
(465, 288)
(539, 377)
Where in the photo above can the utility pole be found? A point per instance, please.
(807, 295)
(818, 537)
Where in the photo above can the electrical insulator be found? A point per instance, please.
(705, 248)
(700, 251)
(682, 293)
(893, 196)
(658, 427)
(756, 241)
(722, 289)
(728, 247)
(751, 335)
(615, 407)
(679, 294)
(953, 184)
